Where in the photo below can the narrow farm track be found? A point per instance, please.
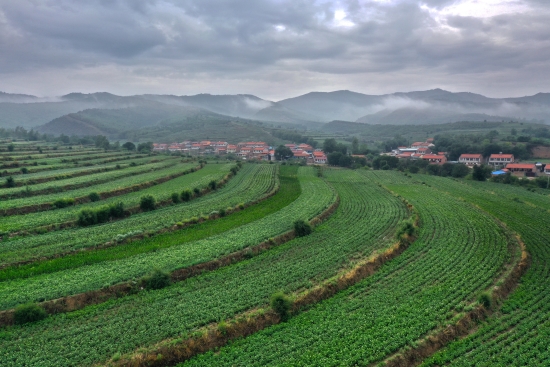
(150, 317)
(517, 333)
(440, 274)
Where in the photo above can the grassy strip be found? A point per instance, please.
(31, 179)
(104, 195)
(288, 192)
(95, 178)
(51, 167)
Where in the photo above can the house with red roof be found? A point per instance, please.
(522, 169)
(471, 159)
(500, 159)
(434, 158)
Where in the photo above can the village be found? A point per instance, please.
(502, 163)
(252, 150)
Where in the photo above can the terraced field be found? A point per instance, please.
(517, 333)
(396, 266)
(425, 287)
(293, 266)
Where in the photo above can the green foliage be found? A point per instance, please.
(10, 182)
(197, 192)
(213, 185)
(175, 198)
(186, 195)
(145, 147)
(282, 152)
(11, 148)
(406, 228)
(281, 304)
(29, 313)
(385, 160)
(485, 300)
(63, 202)
(158, 279)
(147, 203)
(302, 228)
(24, 170)
(94, 196)
(481, 173)
(129, 146)
(100, 214)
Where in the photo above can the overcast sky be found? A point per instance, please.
(274, 49)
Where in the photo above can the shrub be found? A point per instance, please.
(175, 198)
(101, 214)
(213, 185)
(24, 170)
(10, 182)
(222, 212)
(186, 195)
(63, 203)
(405, 229)
(234, 170)
(281, 304)
(156, 280)
(94, 196)
(302, 228)
(29, 313)
(485, 300)
(86, 217)
(197, 191)
(147, 203)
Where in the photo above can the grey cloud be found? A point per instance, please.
(211, 40)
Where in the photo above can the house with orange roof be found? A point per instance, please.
(500, 159)
(434, 158)
(471, 159)
(522, 169)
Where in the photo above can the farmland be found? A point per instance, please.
(397, 269)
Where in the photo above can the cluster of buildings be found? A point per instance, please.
(250, 150)
(503, 163)
(421, 150)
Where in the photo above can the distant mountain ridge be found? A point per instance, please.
(418, 107)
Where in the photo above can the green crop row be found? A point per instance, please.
(316, 196)
(88, 163)
(161, 192)
(364, 222)
(288, 192)
(251, 183)
(84, 156)
(458, 253)
(32, 155)
(82, 181)
(517, 333)
(65, 173)
(106, 187)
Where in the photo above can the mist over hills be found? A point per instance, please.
(109, 114)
